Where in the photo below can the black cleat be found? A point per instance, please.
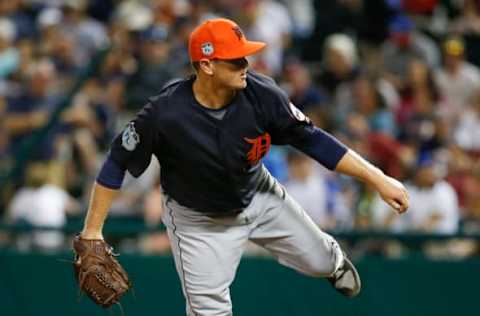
(346, 279)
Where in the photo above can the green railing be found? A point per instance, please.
(133, 225)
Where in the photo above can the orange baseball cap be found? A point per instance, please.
(220, 39)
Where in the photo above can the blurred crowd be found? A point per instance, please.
(396, 80)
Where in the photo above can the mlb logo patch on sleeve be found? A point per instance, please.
(298, 114)
(130, 138)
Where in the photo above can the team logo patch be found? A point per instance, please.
(130, 138)
(207, 48)
(238, 32)
(298, 114)
(260, 147)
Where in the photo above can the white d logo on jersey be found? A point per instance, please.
(298, 114)
(130, 138)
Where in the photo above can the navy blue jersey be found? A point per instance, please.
(214, 165)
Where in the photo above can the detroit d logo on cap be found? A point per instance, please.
(207, 48)
(238, 32)
(130, 138)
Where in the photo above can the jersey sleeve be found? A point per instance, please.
(288, 125)
(287, 122)
(132, 149)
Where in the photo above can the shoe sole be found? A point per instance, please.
(348, 266)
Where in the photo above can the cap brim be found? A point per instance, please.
(249, 48)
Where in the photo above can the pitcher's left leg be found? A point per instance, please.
(287, 231)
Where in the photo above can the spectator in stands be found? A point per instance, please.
(42, 202)
(434, 207)
(299, 85)
(340, 64)
(9, 55)
(419, 88)
(179, 47)
(404, 44)
(469, 21)
(83, 125)
(435, 203)
(57, 44)
(166, 12)
(88, 33)
(134, 16)
(153, 67)
(370, 104)
(467, 131)
(270, 22)
(303, 93)
(16, 13)
(317, 192)
(303, 17)
(29, 110)
(457, 80)
(392, 156)
(419, 120)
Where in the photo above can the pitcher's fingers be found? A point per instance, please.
(394, 204)
(403, 206)
(404, 200)
(406, 195)
(398, 205)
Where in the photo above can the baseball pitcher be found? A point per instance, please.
(209, 132)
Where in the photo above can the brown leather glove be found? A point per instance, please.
(98, 273)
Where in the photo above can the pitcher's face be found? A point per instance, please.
(231, 73)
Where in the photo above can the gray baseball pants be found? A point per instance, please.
(207, 249)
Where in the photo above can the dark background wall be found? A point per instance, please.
(34, 284)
